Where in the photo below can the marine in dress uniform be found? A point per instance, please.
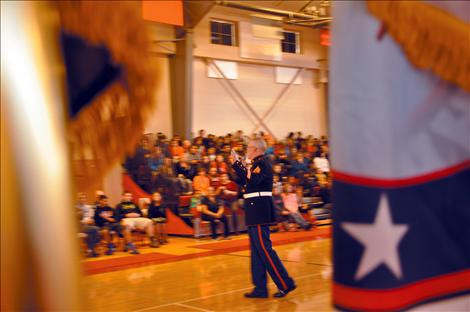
(257, 181)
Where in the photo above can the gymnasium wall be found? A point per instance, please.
(310, 48)
(160, 118)
(219, 110)
(216, 108)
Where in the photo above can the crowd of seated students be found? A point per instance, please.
(101, 222)
(201, 166)
(169, 168)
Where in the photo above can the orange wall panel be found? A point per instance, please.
(168, 12)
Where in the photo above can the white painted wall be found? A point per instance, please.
(162, 36)
(162, 46)
(160, 119)
(310, 48)
(219, 111)
(215, 108)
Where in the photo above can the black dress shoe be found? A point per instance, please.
(255, 295)
(283, 293)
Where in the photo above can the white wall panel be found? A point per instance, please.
(260, 48)
(160, 118)
(229, 69)
(286, 74)
(216, 109)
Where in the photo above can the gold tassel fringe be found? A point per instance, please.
(430, 37)
(107, 129)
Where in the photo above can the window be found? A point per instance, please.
(222, 33)
(290, 43)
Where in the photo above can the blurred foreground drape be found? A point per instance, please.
(400, 142)
(77, 86)
(40, 268)
(111, 80)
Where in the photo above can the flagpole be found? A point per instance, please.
(40, 202)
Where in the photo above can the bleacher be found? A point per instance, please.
(318, 209)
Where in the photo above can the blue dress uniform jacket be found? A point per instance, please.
(258, 210)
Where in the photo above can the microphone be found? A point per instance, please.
(234, 154)
(236, 157)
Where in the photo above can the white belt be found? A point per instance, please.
(257, 194)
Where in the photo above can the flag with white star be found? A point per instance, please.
(400, 142)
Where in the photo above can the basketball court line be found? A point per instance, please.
(191, 307)
(320, 264)
(210, 296)
(123, 262)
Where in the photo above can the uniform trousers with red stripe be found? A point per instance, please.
(265, 259)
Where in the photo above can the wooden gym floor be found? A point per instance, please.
(213, 280)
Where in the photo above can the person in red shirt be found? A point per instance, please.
(219, 164)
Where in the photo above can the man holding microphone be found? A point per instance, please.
(257, 181)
